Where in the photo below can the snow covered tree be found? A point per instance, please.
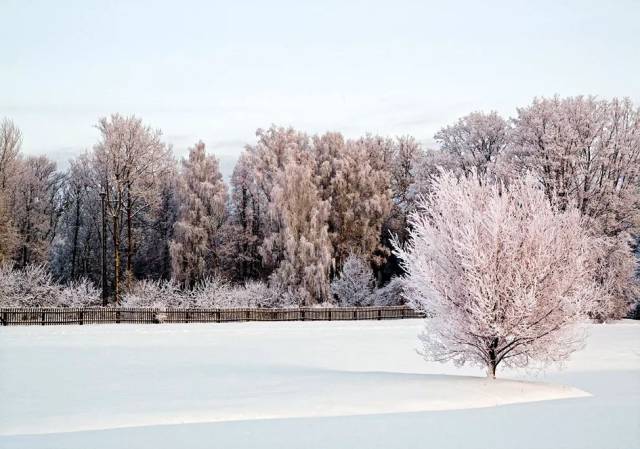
(296, 245)
(10, 144)
(474, 142)
(505, 275)
(245, 230)
(128, 162)
(354, 285)
(360, 199)
(203, 200)
(36, 208)
(302, 236)
(153, 258)
(586, 154)
(8, 234)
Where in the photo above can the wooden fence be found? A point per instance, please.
(50, 316)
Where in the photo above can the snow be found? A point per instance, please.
(320, 384)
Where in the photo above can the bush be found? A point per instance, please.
(33, 286)
(153, 293)
(391, 294)
(354, 285)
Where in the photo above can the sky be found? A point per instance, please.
(217, 71)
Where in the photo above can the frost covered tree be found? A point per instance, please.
(474, 142)
(128, 162)
(586, 154)
(66, 255)
(153, 258)
(36, 208)
(203, 199)
(8, 234)
(245, 230)
(302, 236)
(355, 283)
(10, 144)
(505, 275)
(358, 193)
(296, 244)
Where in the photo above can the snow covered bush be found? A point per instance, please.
(32, 286)
(391, 294)
(211, 292)
(505, 275)
(254, 294)
(354, 285)
(80, 293)
(153, 293)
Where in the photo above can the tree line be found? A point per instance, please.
(314, 217)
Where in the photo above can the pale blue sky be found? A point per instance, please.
(216, 71)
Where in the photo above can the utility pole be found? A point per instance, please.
(104, 249)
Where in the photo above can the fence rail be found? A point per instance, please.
(52, 316)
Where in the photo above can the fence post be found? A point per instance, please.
(81, 317)
(117, 317)
(43, 318)
(186, 316)
(302, 317)
(4, 318)
(379, 314)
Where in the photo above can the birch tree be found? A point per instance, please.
(354, 178)
(296, 246)
(202, 212)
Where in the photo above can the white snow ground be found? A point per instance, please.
(313, 385)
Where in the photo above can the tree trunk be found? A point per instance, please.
(74, 250)
(116, 259)
(129, 241)
(492, 362)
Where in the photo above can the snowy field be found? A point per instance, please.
(294, 385)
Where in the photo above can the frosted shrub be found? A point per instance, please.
(252, 294)
(354, 285)
(80, 293)
(32, 286)
(211, 292)
(391, 294)
(153, 293)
